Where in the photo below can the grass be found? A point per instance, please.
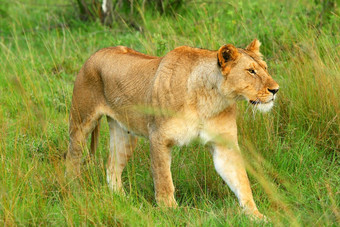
(292, 153)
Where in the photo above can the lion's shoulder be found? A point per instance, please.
(185, 50)
(123, 50)
(188, 56)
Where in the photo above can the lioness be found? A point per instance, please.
(191, 93)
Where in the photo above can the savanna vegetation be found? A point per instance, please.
(292, 152)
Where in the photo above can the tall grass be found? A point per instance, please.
(292, 153)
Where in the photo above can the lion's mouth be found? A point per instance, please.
(263, 106)
(254, 102)
(259, 102)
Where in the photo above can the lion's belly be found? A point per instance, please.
(129, 120)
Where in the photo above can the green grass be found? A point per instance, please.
(292, 153)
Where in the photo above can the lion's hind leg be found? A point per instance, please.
(85, 113)
(79, 131)
(122, 144)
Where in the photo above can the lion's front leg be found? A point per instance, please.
(160, 163)
(229, 165)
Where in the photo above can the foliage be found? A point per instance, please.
(110, 11)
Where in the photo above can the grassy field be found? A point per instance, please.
(292, 153)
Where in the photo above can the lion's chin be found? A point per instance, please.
(263, 107)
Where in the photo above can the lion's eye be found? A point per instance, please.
(252, 71)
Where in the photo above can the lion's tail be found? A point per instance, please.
(95, 138)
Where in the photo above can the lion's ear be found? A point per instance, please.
(226, 55)
(254, 46)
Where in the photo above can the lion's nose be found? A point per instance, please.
(273, 90)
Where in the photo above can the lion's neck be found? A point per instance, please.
(204, 92)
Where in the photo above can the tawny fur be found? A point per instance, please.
(171, 100)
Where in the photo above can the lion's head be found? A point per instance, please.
(246, 75)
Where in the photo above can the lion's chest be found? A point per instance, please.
(183, 130)
(187, 134)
